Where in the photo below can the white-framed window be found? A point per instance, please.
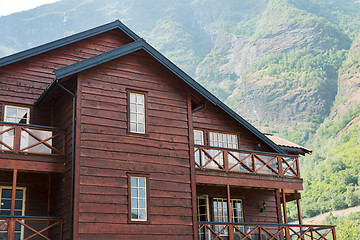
(237, 211)
(198, 137)
(223, 140)
(198, 140)
(138, 203)
(137, 112)
(5, 206)
(15, 114)
(202, 204)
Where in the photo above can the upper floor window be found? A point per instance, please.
(16, 114)
(223, 140)
(136, 112)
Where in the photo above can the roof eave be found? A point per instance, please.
(67, 40)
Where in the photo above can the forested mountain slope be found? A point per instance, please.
(290, 67)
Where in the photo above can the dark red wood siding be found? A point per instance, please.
(109, 152)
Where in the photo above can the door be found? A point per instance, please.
(5, 206)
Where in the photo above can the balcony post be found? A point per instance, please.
(280, 170)
(17, 139)
(226, 160)
(11, 228)
(231, 228)
(287, 231)
(333, 233)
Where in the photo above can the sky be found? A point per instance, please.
(11, 6)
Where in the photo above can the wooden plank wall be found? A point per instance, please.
(23, 82)
(214, 119)
(252, 201)
(61, 183)
(109, 153)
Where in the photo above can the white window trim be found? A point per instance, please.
(17, 107)
(137, 113)
(137, 198)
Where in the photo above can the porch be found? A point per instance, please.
(31, 205)
(237, 212)
(263, 231)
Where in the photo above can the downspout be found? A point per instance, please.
(72, 158)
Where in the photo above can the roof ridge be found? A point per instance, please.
(67, 40)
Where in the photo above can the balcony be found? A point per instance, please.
(28, 227)
(263, 231)
(31, 147)
(251, 162)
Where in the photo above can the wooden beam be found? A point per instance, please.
(192, 166)
(228, 198)
(11, 230)
(246, 180)
(284, 205)
(299, 210)
(278, 205)
(32, 165)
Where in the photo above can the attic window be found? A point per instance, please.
(137, 112)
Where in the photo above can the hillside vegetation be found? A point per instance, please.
(290, 67)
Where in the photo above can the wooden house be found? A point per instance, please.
(102, 137)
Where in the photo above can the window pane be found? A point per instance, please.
(18, 204)
(141, 128)
(134, 193)
(6, 193)
(141, 182)
(132, 98)
(134, 214)
(5, 204)
(134, 203)
(142, 214)
(10, 112)
(19, 194)
(140, 98)
(141, 193)
(134, 182)
(133, 127)
(142, 203)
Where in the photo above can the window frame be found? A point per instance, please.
(147, 199)
(206, 135)
(145, 93)
(6, 106)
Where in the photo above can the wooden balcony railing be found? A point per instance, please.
(28, 227)
(25, 138)
(257, 231)
(253, 162)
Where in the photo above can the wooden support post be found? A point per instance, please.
(192, 166)
(299, 210)
(231, 228)
(11, 228)
(287, 232)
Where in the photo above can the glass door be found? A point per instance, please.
(5, 206)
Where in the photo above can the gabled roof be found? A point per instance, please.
(141, 44)
(67, 40)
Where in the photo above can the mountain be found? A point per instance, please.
(290, 67)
